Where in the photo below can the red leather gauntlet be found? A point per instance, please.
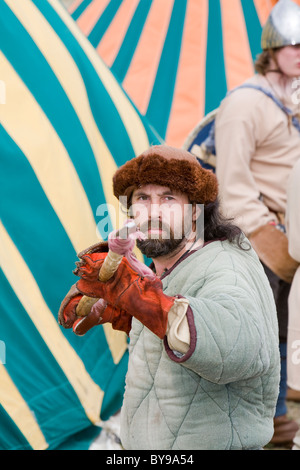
(99, 313)
(141, 297)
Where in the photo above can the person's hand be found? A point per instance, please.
(67, 311)
(101, 312)
(127, 290)
(93, 312)
(271, 246)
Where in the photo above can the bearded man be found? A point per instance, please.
(204, 362)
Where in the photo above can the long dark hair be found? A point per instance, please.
(217, 227)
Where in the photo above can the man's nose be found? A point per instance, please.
(155, 210)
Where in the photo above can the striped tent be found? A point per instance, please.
(65, 126)
(176, 59)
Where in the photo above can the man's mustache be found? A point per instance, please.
(155, 224)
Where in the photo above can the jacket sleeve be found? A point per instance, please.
(235, 325)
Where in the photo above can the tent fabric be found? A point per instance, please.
(65, 127)
(176, 59)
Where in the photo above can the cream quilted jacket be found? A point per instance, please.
(222, 393)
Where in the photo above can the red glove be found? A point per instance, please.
(102, 312)
(96, 314)
(67, 312)
(127, 290)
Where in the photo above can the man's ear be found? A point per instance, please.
(196, 211)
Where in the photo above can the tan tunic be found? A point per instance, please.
(293, 231)
(256, 150)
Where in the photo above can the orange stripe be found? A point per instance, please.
(75, 4)
(237, 53)
(263, 8)
(112, 40)
(141, 74)
(189, 95)
(90, 16)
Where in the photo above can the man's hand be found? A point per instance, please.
(127, 290)
(101, 312)
(95, 313)
(67, 312)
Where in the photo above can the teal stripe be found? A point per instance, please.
(131, 39)
(215, 76)
(33, 224)
(11, 438)
(104, 111)
(253, 26)
(39, 236)
(109, 376)
(81, 440)
(36, 373)
(36, 231)
(39, 78)
(80, 9)
(160, 104)
(104, 21)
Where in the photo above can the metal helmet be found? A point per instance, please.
(282, 27)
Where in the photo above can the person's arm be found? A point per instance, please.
(239, 130)
(236, 140)
(125, 295)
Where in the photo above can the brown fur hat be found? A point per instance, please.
(167, 166)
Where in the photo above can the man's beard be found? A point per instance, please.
(155, 248)
(159, 246)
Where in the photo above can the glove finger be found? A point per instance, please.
(89, 266)
(82, 325)
(67, 313)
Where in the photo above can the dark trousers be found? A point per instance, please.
(281, 290)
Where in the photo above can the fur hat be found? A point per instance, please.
(167, 166)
